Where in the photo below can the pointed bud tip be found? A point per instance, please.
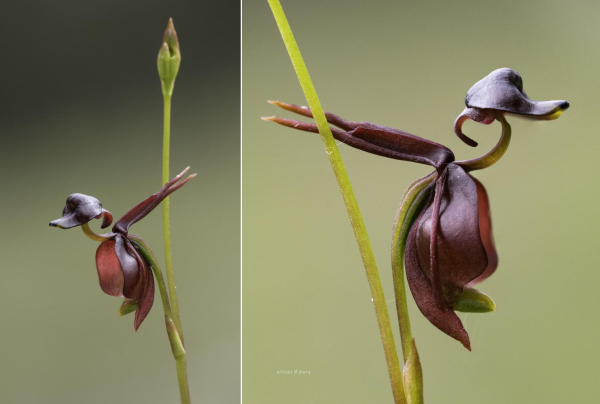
(170, 35)
(268, 118)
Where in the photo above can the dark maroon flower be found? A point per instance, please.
(449, 247)
(122, 271)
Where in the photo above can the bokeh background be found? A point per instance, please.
(82, 112)
(306, 302)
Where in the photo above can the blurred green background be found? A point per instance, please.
(306, 302)
(82, 112)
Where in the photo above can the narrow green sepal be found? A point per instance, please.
(474, 301)
(128, 306)
(412, 377)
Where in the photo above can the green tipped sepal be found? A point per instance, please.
(412, 377)
(474, 301)
(128, 306)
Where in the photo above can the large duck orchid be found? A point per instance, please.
(122, 270)
(443, 230)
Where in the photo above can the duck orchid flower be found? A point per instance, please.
(122, 270)
(443, 229)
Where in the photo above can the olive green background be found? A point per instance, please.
(82, 112)
(306, 302)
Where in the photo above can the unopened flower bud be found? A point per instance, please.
(169, 58)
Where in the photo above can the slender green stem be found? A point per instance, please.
(356, 220)
(414, 196)
(166, 211)
(176, 343)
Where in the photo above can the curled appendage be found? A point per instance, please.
(485, 116)
(375, 139)
(493, 155)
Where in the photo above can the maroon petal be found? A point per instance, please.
(402, 145)
(110, 273)
(464, 252)
(485, 230)
(442, 316)
(146, 300)
(376, 139)
(130, 266)
(142, 209)
(461, 254)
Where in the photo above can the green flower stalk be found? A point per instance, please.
(168, 62)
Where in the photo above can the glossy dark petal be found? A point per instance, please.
(502, 90)
(485, 230)
(465, 250)
(109, 269)
(443, 317)
(375, 139)
(80, 209)
(461, 254)
(144, 208)
(146, 300)
(132, 271)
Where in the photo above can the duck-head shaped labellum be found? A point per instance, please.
(465, 249)
(502, 91)
(80, 209)
(122, 271)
